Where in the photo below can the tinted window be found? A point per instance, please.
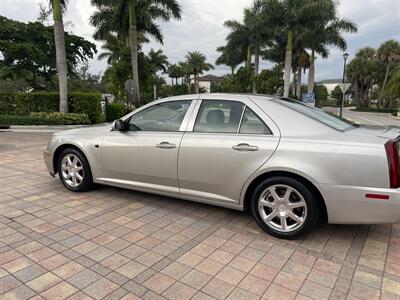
(252, 124)
(166, 116)
(219, 116)
(317, 114)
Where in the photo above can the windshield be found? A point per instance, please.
(318, 115)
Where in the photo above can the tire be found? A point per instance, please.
(301, 211)
(79, 169)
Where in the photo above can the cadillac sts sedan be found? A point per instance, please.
(286, 162)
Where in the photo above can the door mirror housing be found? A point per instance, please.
(120, 125)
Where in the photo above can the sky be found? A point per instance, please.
(201, 28)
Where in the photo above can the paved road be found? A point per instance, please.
(367, 118)
(113, 243)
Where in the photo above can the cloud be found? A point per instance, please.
(201, 28)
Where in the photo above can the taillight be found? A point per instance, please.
(393, 154)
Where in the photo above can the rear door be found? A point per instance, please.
(226, 141)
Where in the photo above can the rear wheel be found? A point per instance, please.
(74, 170)
(285, 207)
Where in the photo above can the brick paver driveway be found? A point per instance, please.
(113, 243)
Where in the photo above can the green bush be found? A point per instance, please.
(116, 110)
(86, 103)
(43, 118)
(321, 93)
(373, 109)
(25, 103)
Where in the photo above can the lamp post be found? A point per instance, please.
(345, 56)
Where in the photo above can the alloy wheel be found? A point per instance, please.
(282, 208)
(72, 170)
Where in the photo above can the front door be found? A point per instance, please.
(145, 157)
(227, 144)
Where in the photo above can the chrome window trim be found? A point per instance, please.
(189, 112)
(185, 120)
(273, 129)
(241, 119)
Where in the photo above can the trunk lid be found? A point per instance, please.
(387, 132)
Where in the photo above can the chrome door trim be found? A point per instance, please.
(193, 116)
(188, 114)
(166, 145)
(245, 147)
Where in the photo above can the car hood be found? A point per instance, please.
(87, 130)
(387, 132)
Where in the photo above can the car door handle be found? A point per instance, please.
(165, 145)
(245, 147)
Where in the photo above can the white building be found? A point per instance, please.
(206, 81)
(330, 84)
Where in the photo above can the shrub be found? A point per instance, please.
(43, 118)
(86, 103)
(116, 110)
(25, 103)
(321, 92)
(373, 109)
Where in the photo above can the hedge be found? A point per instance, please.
(116, 110)
(43, 118)
(376, 110)
(25, 103)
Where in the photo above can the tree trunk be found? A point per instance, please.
(248, 60)
(383, 86)
(356, 93)
(298, 86)
(233, 70)
(196, 83)
(311, 73)
(294, 85)
(61, 58)
(134, 52)
(288, 64)
(155, 91)
(256, 65)
(189, 84)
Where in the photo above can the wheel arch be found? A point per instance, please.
(60, 149)
(250, 188)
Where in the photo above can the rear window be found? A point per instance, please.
(318, 115)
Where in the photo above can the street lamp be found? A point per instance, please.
(345, 56)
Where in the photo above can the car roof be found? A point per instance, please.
(218, 96)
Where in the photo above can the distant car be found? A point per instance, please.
(374, 101)
(287, 162)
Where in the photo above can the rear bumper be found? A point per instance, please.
(349, 205)
(48, 160)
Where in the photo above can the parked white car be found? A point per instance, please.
(287, 162)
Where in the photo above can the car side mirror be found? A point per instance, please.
(120, 125)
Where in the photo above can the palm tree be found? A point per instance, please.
(61, 58)
(329, 33)
(239, 38)
(187, 71)
(196, 61)
(364, 71)
(388, 54)
(302, 63)
(158, 62)
(230, 56)
(128, 18)
(294, 17)
(174, 72)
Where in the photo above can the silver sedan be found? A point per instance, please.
(288, 163)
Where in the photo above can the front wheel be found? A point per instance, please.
(74, 170)
(284, 207)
